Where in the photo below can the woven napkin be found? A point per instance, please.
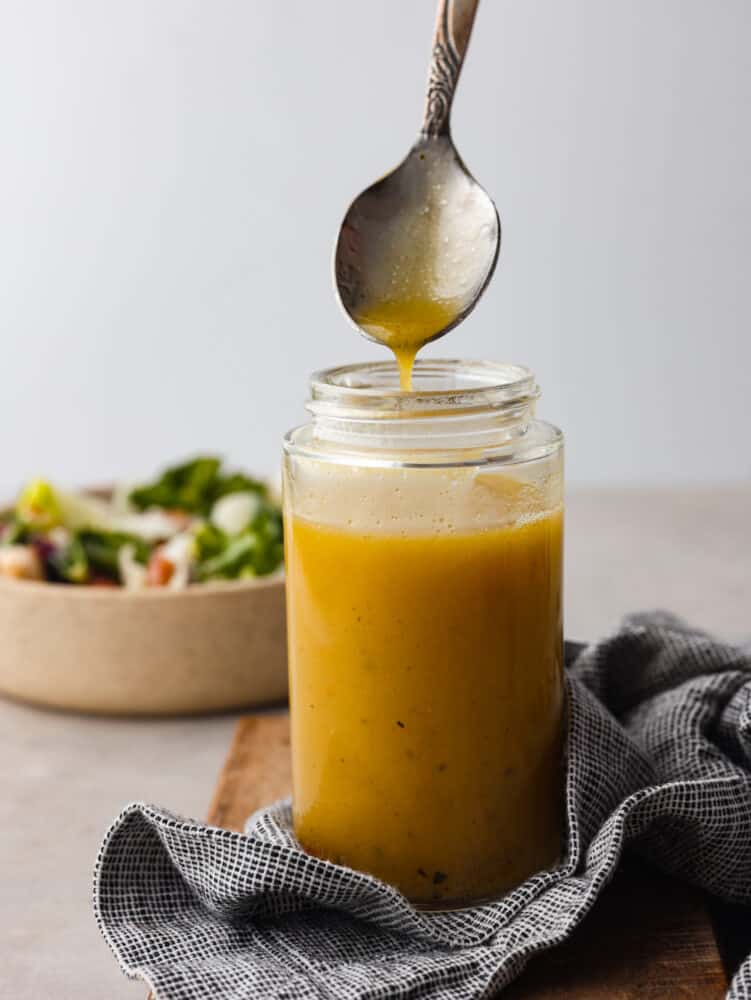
(659, 757)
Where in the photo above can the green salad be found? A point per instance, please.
(196, 522)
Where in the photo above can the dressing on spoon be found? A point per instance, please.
(406, 325)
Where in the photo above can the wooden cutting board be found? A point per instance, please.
(649, 937)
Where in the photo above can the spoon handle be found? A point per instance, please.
(452, 30)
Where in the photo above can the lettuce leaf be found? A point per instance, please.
(69, 562)
(102, 548)
(256, 551)
(193, 487)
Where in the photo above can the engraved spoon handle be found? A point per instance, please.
(452, 30)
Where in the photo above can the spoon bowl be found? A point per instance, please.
(425, 231)
(418, 247)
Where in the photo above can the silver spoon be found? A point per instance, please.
(427, 232)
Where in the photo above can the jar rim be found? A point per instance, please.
(448, 386)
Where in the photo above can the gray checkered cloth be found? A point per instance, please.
(659, 757)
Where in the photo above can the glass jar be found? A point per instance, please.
(423, 536)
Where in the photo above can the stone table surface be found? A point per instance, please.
(64, 778)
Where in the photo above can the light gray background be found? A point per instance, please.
(173, 171)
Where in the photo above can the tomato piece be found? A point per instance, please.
(159, 571)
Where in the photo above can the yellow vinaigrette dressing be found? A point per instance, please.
(426, 701)
(424, 565)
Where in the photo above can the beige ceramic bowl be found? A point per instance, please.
(210, 647)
